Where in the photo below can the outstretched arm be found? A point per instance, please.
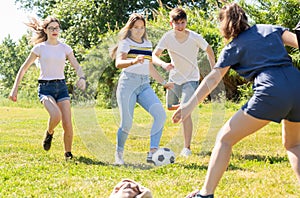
(154, 74)
(207, 85)
(123, 62)
(157, 61)
(211, 56)
(29, 61)
(81, 84)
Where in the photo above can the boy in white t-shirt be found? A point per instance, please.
(183, 46)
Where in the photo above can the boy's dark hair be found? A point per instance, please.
(177, 14)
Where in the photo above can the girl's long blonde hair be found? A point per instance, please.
(233, 21)
(38, 28)
(125, 32)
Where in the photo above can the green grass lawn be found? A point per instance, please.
(258, 168)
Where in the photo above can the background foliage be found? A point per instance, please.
(91, 27)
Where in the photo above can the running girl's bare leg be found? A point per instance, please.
(235, 129)
(291, 141)
(65, 108)
(54, 113)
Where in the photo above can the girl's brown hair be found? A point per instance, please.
(39, 27)
(233, 21)
(125, 31)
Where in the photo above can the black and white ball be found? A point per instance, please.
(163, 156)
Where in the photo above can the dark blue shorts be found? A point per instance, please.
(55, 88)
(276, 95)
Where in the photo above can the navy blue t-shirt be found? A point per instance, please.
(256, 48)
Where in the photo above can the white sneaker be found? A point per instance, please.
(186, 152)
(149, 158)
(119, 158)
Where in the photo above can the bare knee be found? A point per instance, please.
(224, 138)
(225, 142)
(289, 145)
(67, 125)
(56, 116)
(290, 134)
(52, 108)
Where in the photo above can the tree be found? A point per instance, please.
(83, 21)
(12, 56)
(90, 27)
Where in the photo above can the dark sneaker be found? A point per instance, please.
(203, 196)
(47, 141)
(68, 156)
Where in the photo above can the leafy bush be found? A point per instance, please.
(91, 45)
(245, 92)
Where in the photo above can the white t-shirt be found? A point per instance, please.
(52, 59)
(133, 49)
(183, 55)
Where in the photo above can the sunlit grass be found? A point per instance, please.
(258, 168)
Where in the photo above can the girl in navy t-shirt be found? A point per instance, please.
(256, 53)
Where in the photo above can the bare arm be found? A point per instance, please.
(155, 57)
(157, 61)
(122, 62)
(23, 69)
(81, 84)
(290, 39)
(154, 74)
(207, 85)
(75, 64)
(211, 56)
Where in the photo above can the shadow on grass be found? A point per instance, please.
(140, 166)
(193, 166)
(262, 158)
(89, 161)
(204, 153)
(248, 157)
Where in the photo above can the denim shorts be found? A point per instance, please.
(55, 88)
(180, 94)
(276, 95)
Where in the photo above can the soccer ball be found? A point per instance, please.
(163, 156)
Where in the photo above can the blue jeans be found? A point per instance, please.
(132, 89)
(55, 88)
(181, 93)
